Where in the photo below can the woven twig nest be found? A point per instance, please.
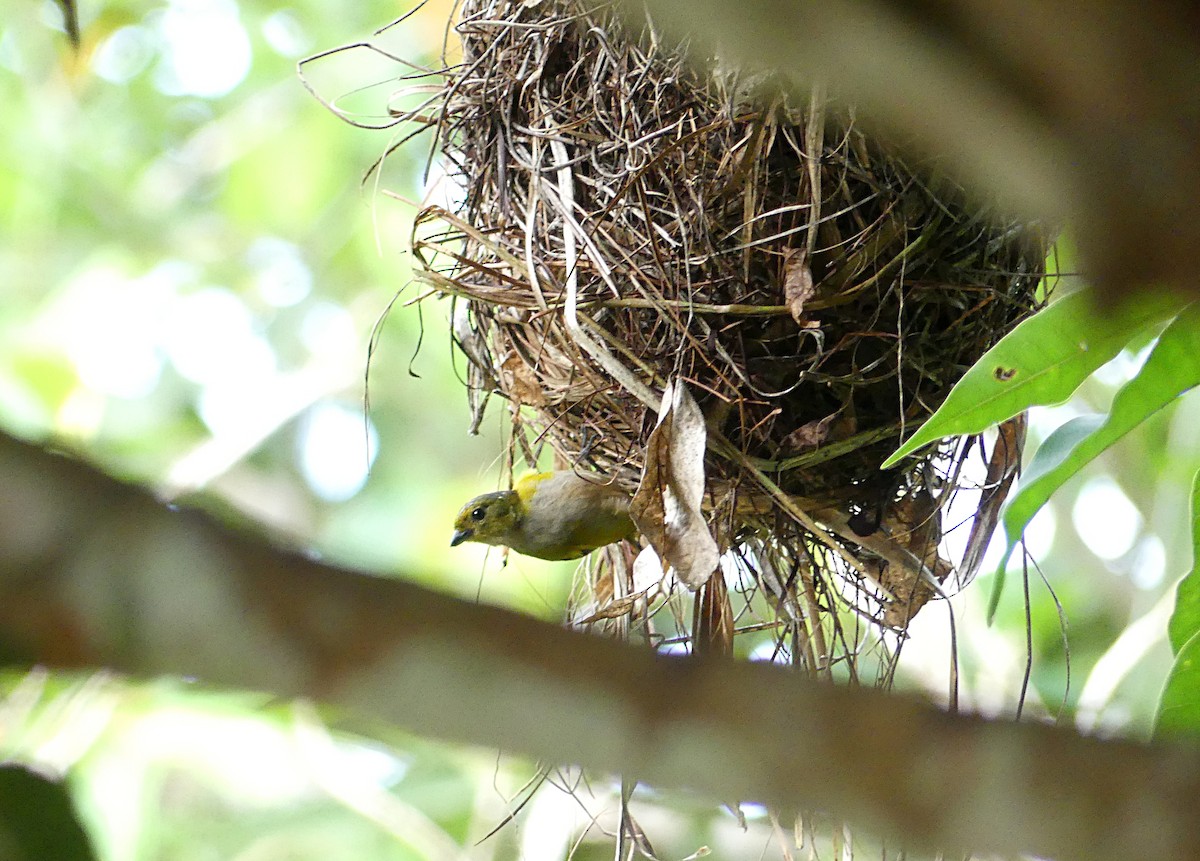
(628, 217)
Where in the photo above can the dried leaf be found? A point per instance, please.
(713, 627)
(1003, 467)
(521, 382)
(808, 436)
(614, 609)
(798, 284)
(637, 836)
(602, 586)
(915, 524)
(666, 507)
(479, 368)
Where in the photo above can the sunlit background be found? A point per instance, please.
(192, 271)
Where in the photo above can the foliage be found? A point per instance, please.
(1179, 708)
(1042, 362)
(1185, 622)
(190, 278)
(38, 819)
(1172, 369)
(189, 283)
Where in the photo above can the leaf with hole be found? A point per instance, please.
(1042, 361)
(1172, 368)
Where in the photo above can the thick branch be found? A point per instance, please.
(96, 573)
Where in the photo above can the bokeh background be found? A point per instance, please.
(198, 291)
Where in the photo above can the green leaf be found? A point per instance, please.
(1172, 368)
(38, 819)
(1053, 452)
(1179, 707)
(1185, 620)
(1042, 361)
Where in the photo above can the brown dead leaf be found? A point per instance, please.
(798, 285)
(636, 834)
(522, 382)
(808, 436)
(602, 587)
(614, 609)
(1003, 467)
(666, 506)
(914, 523)
(713, 625)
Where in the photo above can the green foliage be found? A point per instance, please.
(1179, 708)
(1185, 621)
(1043, 361)
(1172, 368)
(38, 819)
(131, 211)
(172, 257)
(1040, 362)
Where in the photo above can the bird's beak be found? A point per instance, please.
(460, 535)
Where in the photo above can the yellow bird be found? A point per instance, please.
(550, 515)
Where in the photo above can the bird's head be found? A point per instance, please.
(488, 519)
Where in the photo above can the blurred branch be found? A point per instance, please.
(1090, 112)
(70, 16)
(96, 573)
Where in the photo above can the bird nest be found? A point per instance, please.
(625, 215)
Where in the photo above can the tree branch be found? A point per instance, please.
(96, 573)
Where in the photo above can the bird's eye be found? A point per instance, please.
(478, 513)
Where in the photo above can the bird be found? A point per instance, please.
(550, 515)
